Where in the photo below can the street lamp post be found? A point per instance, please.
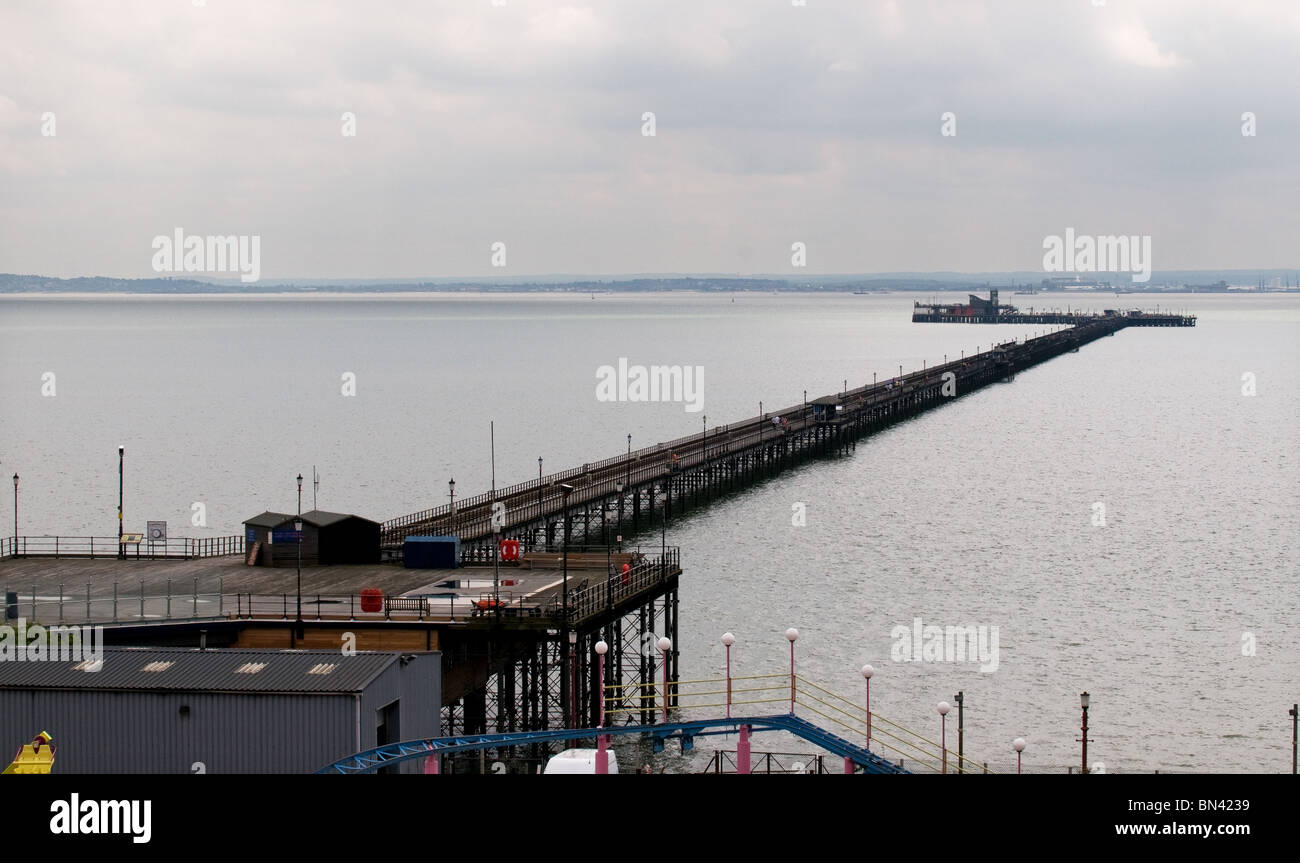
(1294, 712)
(1019, 745)
(867, 672)
(1084, 700)
(727, 640)
(297, 527)
(792, 635)
(602, 740)
(944, 707)
(618, 487)
(665, 644)
(704, 439)
(15, 548)
(629, 460)
(573, 681)
(299, 494)
(960, 698)
(539, 486)
(451, 495)
(121, 462)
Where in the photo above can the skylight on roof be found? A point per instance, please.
(323, 667)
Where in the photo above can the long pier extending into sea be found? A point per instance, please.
(594, 503)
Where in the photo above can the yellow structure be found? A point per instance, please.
(34, 757)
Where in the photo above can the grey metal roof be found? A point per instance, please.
(268, 519)
(320, 518)
(315, 517)
(194, 670)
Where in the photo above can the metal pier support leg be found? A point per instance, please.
(742, 750)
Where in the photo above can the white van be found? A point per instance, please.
(579, 761)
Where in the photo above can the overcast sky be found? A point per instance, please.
(522, 123)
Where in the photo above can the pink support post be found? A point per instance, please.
(848, 764)
(432, 765)
(728, 681)
(742, 751)
(792, 675)
(665, 685)
(868, 712)
(602, 740)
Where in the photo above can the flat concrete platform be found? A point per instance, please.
(83, 589)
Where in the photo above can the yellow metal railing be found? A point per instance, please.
(914, 750)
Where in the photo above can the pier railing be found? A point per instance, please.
(185, 548)
(200, 599)
(746, 695)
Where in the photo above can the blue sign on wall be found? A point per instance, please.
(252, 535)
(278, 536)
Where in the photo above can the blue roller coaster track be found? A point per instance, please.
(395, 753)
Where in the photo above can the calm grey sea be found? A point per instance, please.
(979, 513)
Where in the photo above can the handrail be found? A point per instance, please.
(176, 547)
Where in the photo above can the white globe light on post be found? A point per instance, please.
(944, 707)
(792, 635)
(1019, 745)
(665, 644)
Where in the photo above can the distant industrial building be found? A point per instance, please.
(170, 710)
(328, 538)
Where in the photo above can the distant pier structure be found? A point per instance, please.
(978, 310)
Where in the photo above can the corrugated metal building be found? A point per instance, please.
(164, 710)
(328, 538)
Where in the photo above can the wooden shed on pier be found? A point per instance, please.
(328, 538)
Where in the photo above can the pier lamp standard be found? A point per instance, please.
(762, 421)
(573, 680)
(451, 495)
(704, 438)
(121, 462)
(944, 707)
(867, 672)
(297, 527)
(1019, 745)
(565, 488)
(1084, 700)
(602, 740)
(618, 487)
(299, 494)
(727, 640)
(629, 460)
(665, 644)
(539, 486)
(960, 699)
(1294, 712)
(792, 635)
(15, 548)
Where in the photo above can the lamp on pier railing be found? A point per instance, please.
(451, 495)
(618, 487)
(944, 707)
(15, 548)
(792, 635)
(665, 644)
(299, 494)
(602, 740)
(297, 526)
(572, 678)
(121, 465)
(1019, 745)
(1084, 701)
(629, 460)
(867, 672)
(727, 640)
